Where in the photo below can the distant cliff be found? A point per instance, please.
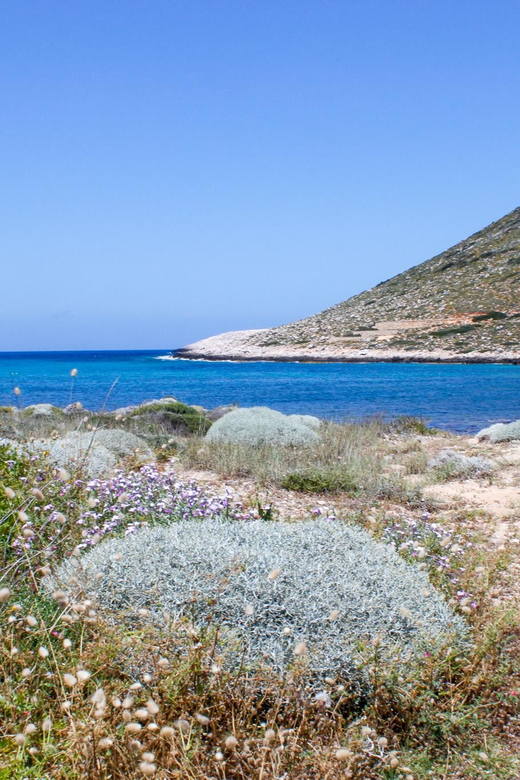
(463, 304)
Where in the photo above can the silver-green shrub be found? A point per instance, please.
(260, 425)
(98, 452)
(270, 586)
(501, 432)
(455, 464)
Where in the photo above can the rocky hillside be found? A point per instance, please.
(463, 302)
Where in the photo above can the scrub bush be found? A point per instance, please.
(315, 481)
(455, 464)
(261, 425)
(277, 591)
(501, 432)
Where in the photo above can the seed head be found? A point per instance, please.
(152, 707)
(274, 574)
(23, 517)
(147, 769)
(63, 475)
(26, 672)
(334, 614)
(5, 595)
(219, 756)
(300, 648)
(99, 698)
(249, 610)
(30, 729)
(202, 719)
(269, 736)
(182, 725)
(9, 492)
(231, 742)
(133, 728)
(148, 757)
(31, 621)
(37, 493)
(67, 644)
(142, 714)
(43, 652)
(83, 675)
(70, 680)
(47, 725)
(168, 732)
(343, 754)
(20, 740)
(105, 743)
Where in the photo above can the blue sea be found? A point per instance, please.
(456, 397)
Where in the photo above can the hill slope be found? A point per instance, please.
(464, 303)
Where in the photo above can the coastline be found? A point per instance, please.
(394, 358)
(240, 346)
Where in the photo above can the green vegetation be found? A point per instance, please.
(492, 315)
(452, 331)
(320, 482)
(174, 415)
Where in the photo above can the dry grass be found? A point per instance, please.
(348, 458)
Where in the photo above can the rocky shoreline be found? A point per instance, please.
(240, 346)
(243, 346)
(185, 354)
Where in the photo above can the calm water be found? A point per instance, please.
(459, 397)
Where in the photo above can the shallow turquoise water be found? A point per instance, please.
(458, 397)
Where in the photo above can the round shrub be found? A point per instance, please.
(455, 464)
(98, 452)
(261, 425)
(270, 586)
(501, 432)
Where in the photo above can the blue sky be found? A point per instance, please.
(171, 170)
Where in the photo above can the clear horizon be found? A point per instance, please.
(174, 170)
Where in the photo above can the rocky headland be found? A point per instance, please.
(460, 306)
